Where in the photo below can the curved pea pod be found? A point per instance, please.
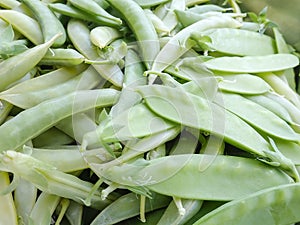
(199, 176)
(277, 205)
(253, 64)
(79, 34)
(50, 180)
(62, 57)
(142, 28)
(243, 84)
(103, 35)
(136, 122)
(8, 213)
(32, 122)
(256, 115)
(147, 3)
(206, 8)
(194, 111)
(15, 67)
(51, 85)
(178, 44)
(24, 24)
(50, 24)
(273, 106)
(128, 206)
(232, 41)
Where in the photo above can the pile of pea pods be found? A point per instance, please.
(167, 112)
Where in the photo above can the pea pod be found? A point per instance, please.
(141, 27)
(7, 207)
(35, 120)
(276, 205)
(9, 4)
(103, 35)
(200, 176)
(62, 57)
(232, 41)
(253, 64)
(178, 45)
(49, 23)
(254, 114)
(147, 3)
(15, 67)
(128, 206)
(24, 24)
(79, 34)
(194, 111)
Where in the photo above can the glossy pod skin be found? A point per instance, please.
(277, 205)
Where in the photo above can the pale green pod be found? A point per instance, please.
(8, 213)
(102, 36)
(253, 64)
(257, 116)
(24, 24)
(25, 196)
(43, 209)
(276, 205)
(198, 176)
(178, 44)
(194, 111)
(232, 41)
(62, 57)
(128, 206)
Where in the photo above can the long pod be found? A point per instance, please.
(141, 26)
(32, 122)
(17, 66)
(277, 205)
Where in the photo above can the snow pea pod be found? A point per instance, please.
(128, 206)
(276, 205)
(7, 206)
(79, 34)
(178, 44)
(24, 24)
(32, 122)
(232, 41)
(43, 209)
(102, 36)
(199, 176)
(15, 67)
(256, 115)
(74, 12)
(194, 111)
(93, 8)
(253, 64)
(206, 8)
(141, 26)
(25, 196)
(62, 57)
(150, 3)
(243, 84)
(49, 23)
(54, 84)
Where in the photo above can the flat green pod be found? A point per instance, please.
(244, 84)
(253, 64)
(258, 116)
(199, 176)
(240, 42)
(194, 111)
(277, 205)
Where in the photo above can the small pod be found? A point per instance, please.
(253, 64)
(24, 24)
(62, 57)
(128, 206)
(48, 21)
(276, 205)
(103, 36)
(15, 67)
(150, 3)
